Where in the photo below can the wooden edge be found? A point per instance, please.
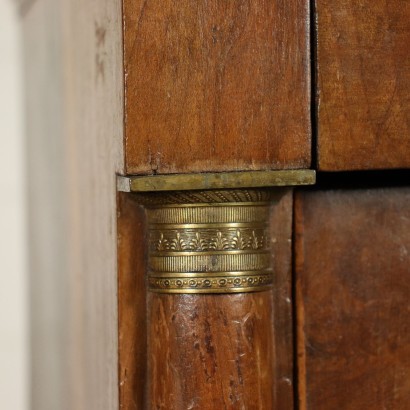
(298, 302)
(281, 239)
(131, 303)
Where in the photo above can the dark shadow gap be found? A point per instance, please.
(362, 179)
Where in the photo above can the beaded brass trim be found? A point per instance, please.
(218, 244)
(225, 283)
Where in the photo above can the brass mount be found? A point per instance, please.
(208, 233)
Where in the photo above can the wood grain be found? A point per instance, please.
(132, 337)
(210, 351)
(352, 269)
(216, 86)
(74, 108)
(281, 239)
(363, 71)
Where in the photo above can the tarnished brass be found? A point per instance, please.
(222, 180)
(208, 241)
(203, 239)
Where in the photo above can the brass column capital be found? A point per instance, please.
(210, 240)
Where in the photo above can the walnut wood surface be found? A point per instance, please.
(131, 303)
(363, 71)
(281, 238)
(353, 269)
(216, 86)
(210, 351)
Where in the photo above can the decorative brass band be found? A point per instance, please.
(209, 262)
(220, 214)
(208, 241)
(223, 282)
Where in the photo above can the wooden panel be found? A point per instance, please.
(363, 71)
(131, 303)
(281, 238)
(216, 86)
(73, 78)
(353, 298)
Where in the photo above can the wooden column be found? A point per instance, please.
(210, 333)
(210, 318)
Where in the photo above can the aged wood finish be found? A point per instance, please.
(281, 242)
(210, 351)
(363, 72)
(353, 298)
(216, 86)
(131, 303)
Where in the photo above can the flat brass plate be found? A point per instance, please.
(222, 180)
